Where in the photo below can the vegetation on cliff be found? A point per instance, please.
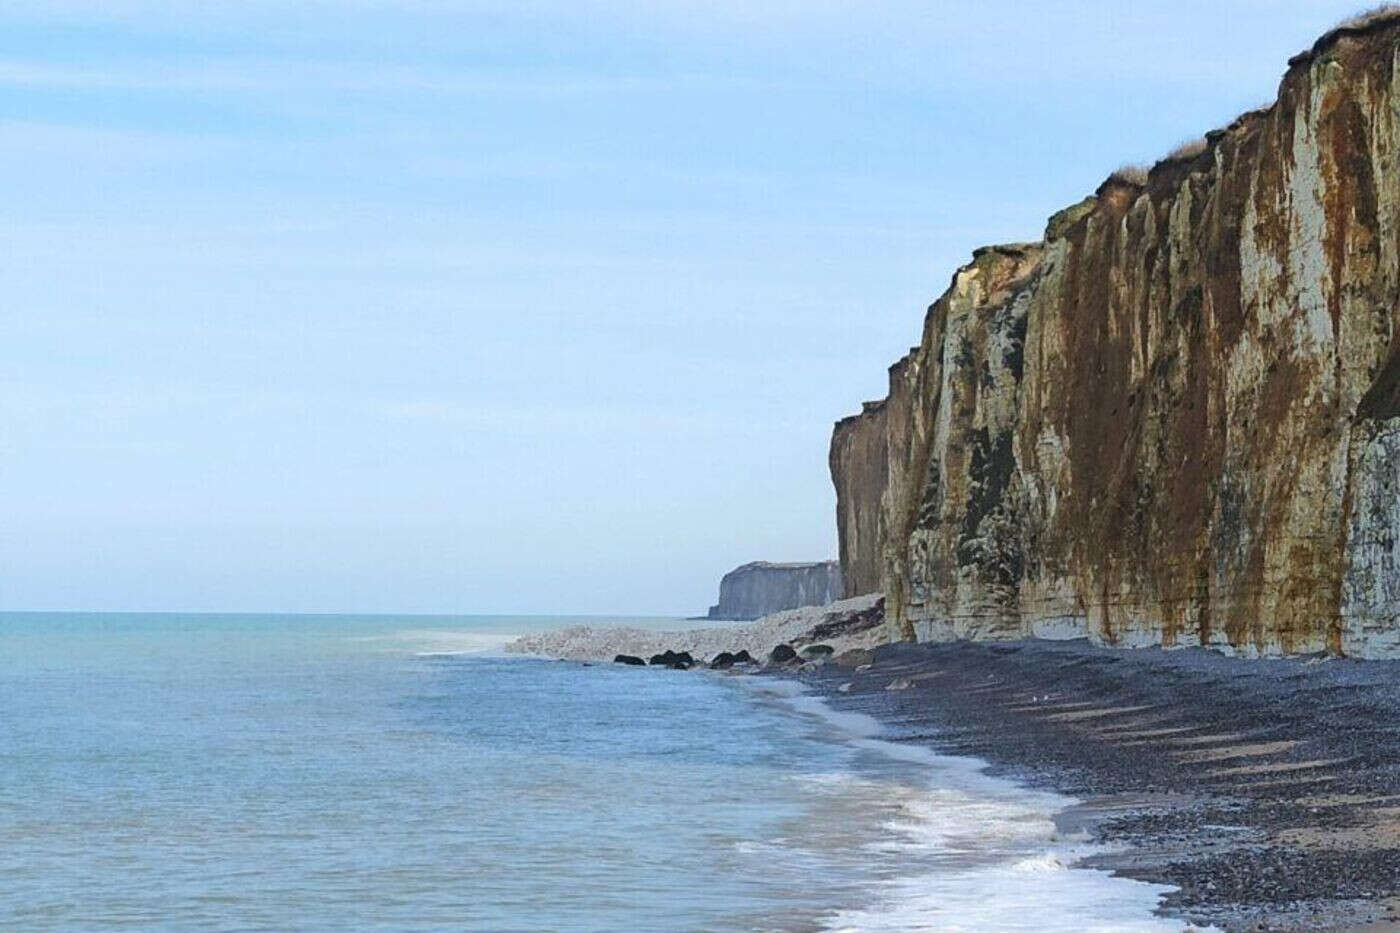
(1176, 420)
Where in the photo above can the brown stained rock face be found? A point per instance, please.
(1175, 420)
(966, 553)
(859, 466)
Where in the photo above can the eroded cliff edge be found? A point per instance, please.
(1176, 420)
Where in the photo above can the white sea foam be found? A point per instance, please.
(1038, 893)
(443, 642)
(1002, 864)
(851, 723)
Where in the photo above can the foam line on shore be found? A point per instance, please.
(1008, 866)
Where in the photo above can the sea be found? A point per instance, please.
(306, 772)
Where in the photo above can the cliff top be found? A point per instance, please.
(1380, 27)
(1166, 175)
(1368, 23)
(779, 565)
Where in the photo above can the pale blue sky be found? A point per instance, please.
(514, 306)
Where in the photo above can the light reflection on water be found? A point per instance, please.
(266, 772)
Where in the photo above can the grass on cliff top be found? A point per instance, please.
(1386, 12)
(1130, 175)
(1137, 175)
(1187, 150)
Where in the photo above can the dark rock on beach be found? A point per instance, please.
(675, 660)
(629, 659)
(850, 618)
(725, 660)
(782, 654)
(812, 652)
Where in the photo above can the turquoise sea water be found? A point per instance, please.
(309, 772)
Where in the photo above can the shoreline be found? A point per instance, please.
(847, 624)
(1032, 844)
(1266, 792)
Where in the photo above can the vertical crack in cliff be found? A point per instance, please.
(1148, 428)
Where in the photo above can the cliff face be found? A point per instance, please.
(1177, 419)
(759, 589)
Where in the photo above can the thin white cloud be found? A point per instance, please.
(275, 76)
(24, 139)
(465, 416)
(1068, 34)
(242, 10)
(41, 403)
(549, 420)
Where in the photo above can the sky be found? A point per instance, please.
(538, 306)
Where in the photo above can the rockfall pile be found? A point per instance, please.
(1176, 419)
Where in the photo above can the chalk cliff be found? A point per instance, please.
(1176, 420)
(761, 588)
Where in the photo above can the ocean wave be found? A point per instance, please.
(998, 860)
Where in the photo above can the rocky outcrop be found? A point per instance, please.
(759, 589)
(1176, 420)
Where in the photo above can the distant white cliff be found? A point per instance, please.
(762, 588)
